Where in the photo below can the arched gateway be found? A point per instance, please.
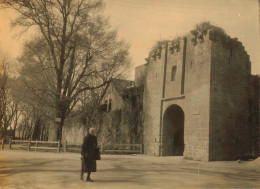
(173, 131)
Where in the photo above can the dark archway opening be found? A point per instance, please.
(173, 131)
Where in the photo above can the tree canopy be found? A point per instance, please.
(73, 50)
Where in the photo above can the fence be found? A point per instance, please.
(122, 148)
(71, 147)
(35, 145)
(2, 144)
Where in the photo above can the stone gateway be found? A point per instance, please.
(200, 99)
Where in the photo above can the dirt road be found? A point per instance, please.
(39, 170)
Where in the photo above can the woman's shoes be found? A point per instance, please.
(89, 180)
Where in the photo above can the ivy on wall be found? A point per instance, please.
(125, 125)
(132, 113)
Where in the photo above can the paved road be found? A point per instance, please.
(39, 170)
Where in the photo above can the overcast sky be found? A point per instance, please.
(142, 22)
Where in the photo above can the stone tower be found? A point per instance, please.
(196, 96)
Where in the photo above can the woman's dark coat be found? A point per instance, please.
(88, 152)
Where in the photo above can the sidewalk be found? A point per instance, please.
(38, 170)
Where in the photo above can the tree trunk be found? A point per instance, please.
(59, 125)
(23, 128)
(15, 124)
(59, 130)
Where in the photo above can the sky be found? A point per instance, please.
(143, 22)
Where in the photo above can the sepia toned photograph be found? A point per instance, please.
(129, 94)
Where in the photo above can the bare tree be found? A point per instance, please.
(8, 106)
(3, 83)
(16, 117)
(79, 47)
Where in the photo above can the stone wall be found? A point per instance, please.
(140, 75)
(152, 102)
(197, 93)
(211, 84)
(229, 96)
(254, 115)
(189, 90)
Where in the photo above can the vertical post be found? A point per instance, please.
(58, 149)
(10, 143)
(29, 144)
(36, 145)
(141, 148)
(65, 146)
(101, 148)
(3, 144)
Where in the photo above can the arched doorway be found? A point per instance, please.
(173, 131)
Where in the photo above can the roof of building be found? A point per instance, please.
(121, 84)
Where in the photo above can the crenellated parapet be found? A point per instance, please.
(206, 31)
(198, 37)
(157, 52)
(174, 46)
(201, 33)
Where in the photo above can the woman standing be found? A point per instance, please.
(88, 154)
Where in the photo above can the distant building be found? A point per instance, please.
(113, 98)
(121, 110)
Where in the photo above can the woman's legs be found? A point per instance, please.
(82, 169)
(89, 174)
(88, 177)
(90, 167)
